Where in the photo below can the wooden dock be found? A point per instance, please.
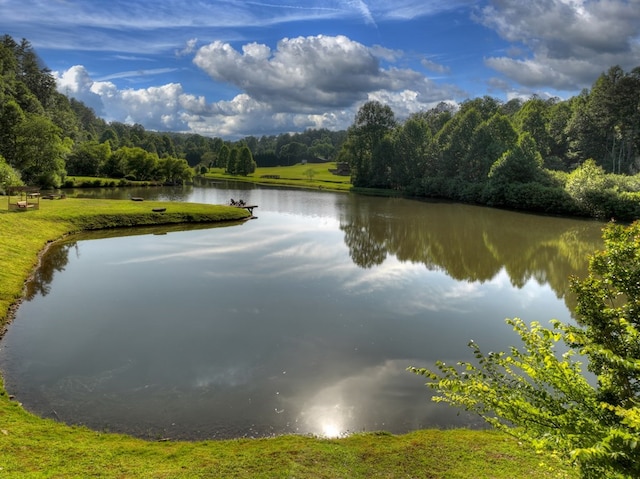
(249, 208)
(242, 204)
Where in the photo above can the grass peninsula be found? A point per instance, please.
(32, 447)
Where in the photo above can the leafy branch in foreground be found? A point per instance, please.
(542, 397)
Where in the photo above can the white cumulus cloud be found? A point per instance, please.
(567, 43)
(305, 82)
(300, 74)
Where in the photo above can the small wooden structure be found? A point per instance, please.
(23, 198)
(249, 208)
(242, 204)
(53, 196)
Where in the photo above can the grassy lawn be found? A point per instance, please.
(297, 175)
(31, 447)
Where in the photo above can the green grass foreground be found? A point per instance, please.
(32, 447)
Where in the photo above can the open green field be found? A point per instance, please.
(31, 447)
(296, 175)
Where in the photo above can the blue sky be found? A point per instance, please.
(231, 68)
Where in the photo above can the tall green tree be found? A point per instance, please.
(451, 144)
(438, 116)
(232, 162)
(110, 135)
(608, 111)
(36, 77)
(382, 161)
(559, 118)
(8, 60)
(223, 156)
(166, 146)
(245, 164)
(40, 151)
(489, 141)
(515, 180)
(485, 106)
(586, 139)
(606, 127)
(174, 171)
(91, 126)
(410, 143)
(140, 164)
(521, 164)
(115, 166)
(87, 158)
(65, 118)
(586, 184)
(372, 122)
(532, 118)
(293, 153)
(11, 117)
(540, 394)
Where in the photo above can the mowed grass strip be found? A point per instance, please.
(296, 175)
(32, 447)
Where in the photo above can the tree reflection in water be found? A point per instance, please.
(55, 259)
(471, 243)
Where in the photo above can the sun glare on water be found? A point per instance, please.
(327, 420)
(331, 430)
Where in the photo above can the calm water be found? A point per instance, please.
(301, 321)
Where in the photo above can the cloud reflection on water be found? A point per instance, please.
(289, 323)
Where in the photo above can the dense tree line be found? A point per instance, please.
(45, 136)
(312, 145)
(579, 156)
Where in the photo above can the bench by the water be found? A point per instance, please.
(242, 204)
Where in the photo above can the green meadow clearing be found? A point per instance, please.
(310, 175)
(31, 447)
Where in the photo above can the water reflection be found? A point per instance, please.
(301, 321)
(56, 260)
(469, 243)
(57, 255)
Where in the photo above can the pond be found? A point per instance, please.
(303, 320)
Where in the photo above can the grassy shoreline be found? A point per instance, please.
(296, 176)
(34, 447)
